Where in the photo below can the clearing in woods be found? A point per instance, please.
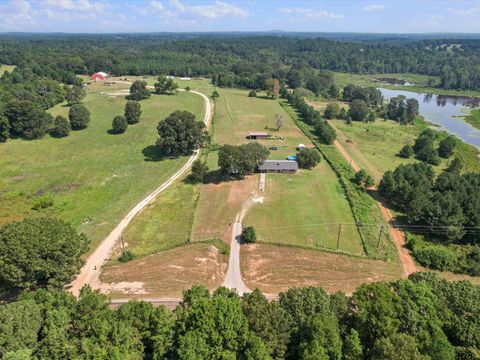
(92, 176)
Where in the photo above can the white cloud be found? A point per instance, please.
(464, 12)
(214, 11)
(310, 13)
(78, 5)
(374, 7)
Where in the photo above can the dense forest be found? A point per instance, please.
(241, 60)
(423, 317)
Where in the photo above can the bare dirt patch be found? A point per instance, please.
(166, 274)
(218, 206)
(273, 269)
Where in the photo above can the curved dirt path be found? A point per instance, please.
(90, 272)
(398, 236)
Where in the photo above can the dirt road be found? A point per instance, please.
(90, 272)
(398, 237)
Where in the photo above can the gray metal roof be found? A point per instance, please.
(278, 165)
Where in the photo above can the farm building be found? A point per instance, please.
(100, 76)
(258, 135)
(278, 166)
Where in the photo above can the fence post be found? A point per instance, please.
(380, 236)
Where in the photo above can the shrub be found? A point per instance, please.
(447, 146)
(331, 111)
(406, 152)
(126, 256)
(133, 110)
(248, 235)
(325, 132)
(199, 170)
(42, 202)
(363, 179)
(358, 110)
(119, 124)
(187, 88)
(252, 93)
(79, 117)
(61, 127)
(429, 155)
(308, 158)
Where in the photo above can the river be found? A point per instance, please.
(445, 111)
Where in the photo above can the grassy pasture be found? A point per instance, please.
(93, 177)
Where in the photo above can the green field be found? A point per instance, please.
(474, 118)
(4, 68)
(93, 177)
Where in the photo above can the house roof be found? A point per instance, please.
(278, 165)
(257, 133)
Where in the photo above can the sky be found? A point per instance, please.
(106, 16)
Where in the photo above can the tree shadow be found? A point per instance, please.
(153, 153)
(214, 177)
(113, 132)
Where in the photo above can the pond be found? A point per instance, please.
(445, 111)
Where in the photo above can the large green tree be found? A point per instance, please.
(37, 252)
(133, 111)
(180, 133)
(139, 91)
(79, 117)
(165, 85)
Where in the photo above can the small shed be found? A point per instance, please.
(258, 135)
(100, 76)
(278, 166)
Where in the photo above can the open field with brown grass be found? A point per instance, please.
(167, 273)
(273, 269)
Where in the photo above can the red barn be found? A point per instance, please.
(99, 76)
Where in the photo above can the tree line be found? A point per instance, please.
(445, 207)
(423, 317)
(242, 61)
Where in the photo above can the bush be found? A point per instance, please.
(308, 158)
(358, 110)
(199, 170)
(363, 179)
(331, 111)
(429, 155)
(447, 146)
(79, 117)
(61, 127)
(406, 152)
(119, 124)
(133, 110)
(126, 256)
(139, 91)
(187, 88)
(42, 202)
(248, 235)
(252, 93)
(325, 132)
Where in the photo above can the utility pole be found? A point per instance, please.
(338, 236)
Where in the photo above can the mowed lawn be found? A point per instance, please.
(94, 177)
(296, 207)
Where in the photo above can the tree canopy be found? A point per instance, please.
(39, 252)
(180, 133)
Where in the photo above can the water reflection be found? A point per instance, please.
(444, 110)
